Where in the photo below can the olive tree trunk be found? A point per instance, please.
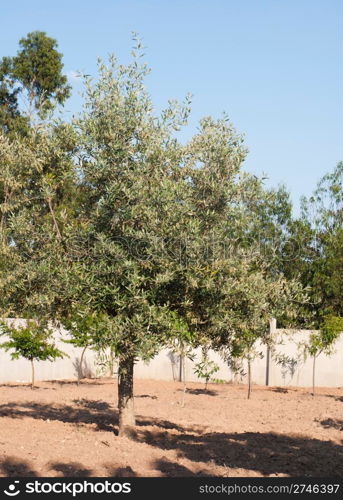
(127, 419)
(249, 377)
(314, 375)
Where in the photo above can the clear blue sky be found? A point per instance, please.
(275, 66)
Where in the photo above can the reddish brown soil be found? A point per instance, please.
(60, 429)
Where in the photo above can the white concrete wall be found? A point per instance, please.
(65, 368)
(165, 366)
(329, 369)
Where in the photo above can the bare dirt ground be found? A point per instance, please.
(60, 429)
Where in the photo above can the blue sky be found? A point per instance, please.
(275, 67)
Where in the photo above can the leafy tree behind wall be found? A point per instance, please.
(319, 236)
(325, 209)
(307, 248)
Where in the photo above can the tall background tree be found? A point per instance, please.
(317, 243)
(31, 82)
(324, 210)
(33, 165)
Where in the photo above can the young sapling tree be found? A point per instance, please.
(323, 341)
(33, 342)
(180, 345)
(206, 368)
(83, 328)
(243, 348)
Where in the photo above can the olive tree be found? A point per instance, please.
(121, 220)
(148, 254)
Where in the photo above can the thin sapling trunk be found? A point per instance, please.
(249, 377)
(80, 370)
(32, 374)
(315, 356)
(314, 374)
(184, 382)
(111, 363)
(180, 369)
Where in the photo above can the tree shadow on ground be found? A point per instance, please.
(103, 415)
(74, 382)
(265, 453)
(26, 385)
(145, 396)
(72, 469)
(92, 404)
(15, 467)
(165, 424)
(105, 419)
(336, 398)
(333, 396)
(120, 471)
(167, 468)
(196, 392)
(332, 423)
(173, 469)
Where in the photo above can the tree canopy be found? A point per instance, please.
(32, 81)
